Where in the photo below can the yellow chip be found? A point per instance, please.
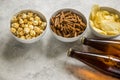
(99, 31)
(104, 22)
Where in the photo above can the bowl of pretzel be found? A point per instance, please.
(68, 25)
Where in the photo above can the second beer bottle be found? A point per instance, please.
(109, 47)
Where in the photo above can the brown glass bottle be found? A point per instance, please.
(106, 64)
(110, 47)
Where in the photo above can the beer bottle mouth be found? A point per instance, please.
(69, 52)
(82, 39)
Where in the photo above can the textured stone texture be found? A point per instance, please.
(45, 59)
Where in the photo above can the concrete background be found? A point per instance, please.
(45, 59)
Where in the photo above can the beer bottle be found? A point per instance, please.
(110, 47)
(105, 63)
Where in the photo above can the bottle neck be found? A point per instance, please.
(109, 47)
(87, 40)
(83, 55)
(86, 56)
(97, 44)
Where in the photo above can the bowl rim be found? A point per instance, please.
(33, 39)
(111, 10)
(74, 11)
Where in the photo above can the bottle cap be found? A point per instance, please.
(69, 52)
(82, 40)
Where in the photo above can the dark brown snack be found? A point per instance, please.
(67, 24)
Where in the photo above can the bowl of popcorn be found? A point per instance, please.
(68, 25)
(104, 22)
(28, 26)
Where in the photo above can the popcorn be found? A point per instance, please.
(22, 37)
(37, 30)
(32, 33)
(24, 15)
(13, 30)
(14, 19)
(15, 25)
(26, 30)
(31, 19)
(21, 21)
(20, 29)
(28, 36)
(27, 25)
(30, 14)
(21, 33)
(35, 22)
(43, 24)
(25, 21)
(37, 18)
(31, 27)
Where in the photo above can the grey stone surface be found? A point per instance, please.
(45, 59)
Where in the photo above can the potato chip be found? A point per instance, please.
(104, 22)
(99, 31)
(112, 32)
(94, 11)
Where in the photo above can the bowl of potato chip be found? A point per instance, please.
(28, 26)
(104, 22)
